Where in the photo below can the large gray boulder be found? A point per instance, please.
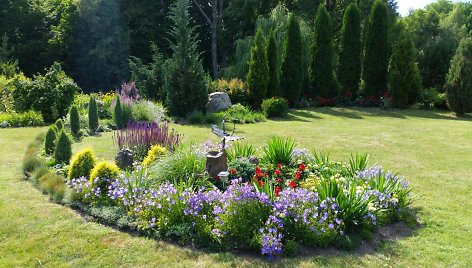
(218, 101)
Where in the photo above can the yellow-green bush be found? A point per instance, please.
(81, 164)
(103, 170)
(154, 153)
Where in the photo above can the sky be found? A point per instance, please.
(405, 5)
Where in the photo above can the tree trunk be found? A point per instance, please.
(214, 50)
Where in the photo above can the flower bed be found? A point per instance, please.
(307, 200)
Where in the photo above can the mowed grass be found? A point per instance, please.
(433, 150)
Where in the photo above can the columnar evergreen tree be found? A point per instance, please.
(74, 121)
(405, 79)
(272, 58)
(349, 67)
(375, 69)
(50, 140)
(63, 151)
(291, 77)
(322, 71)
(93, 115)
(258, 75)
(118, 113)
(459, 79)
(184, 76)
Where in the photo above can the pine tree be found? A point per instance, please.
(272, 58)
(291, 78)
(405, 79)
(459, 79)
(63, 151)
(93, 115)
(118, 112)
(184, 76)
(375, 67)
(258, 75)
(349, 67)
(74, 121)
(323, 77)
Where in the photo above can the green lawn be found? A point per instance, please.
(432, 149)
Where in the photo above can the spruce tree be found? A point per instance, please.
(93, 115)
(258, 75)
(349, 67)
(118, 112)
(375, 68)
(63, 151)
(459, 79)
(291, 77)
(184, 75)
(405, 79)
(323, 77)
(74, 121)
(272, 58)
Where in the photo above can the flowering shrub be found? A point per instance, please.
(139, 137)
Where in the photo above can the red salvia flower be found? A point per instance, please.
(292, 184)
(233, 171)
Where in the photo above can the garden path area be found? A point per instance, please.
(432, 150)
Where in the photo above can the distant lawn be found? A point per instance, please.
(432, 149)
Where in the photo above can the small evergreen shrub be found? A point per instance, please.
(63, 151)
(196, 118)
(74, 121)
(93, 115)
(81, 164)
(59, 124)
(275, 107)
(241, 167)
(105, 169)
(118, 113)
(50, 141)
(154, 153)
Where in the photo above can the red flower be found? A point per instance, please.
(298, 175)
(279, 166)
(261, 183)
(302, 167)
(279, 180)
(277, 190)
(259, 172)
(292, 184)
(233, 171)
(277, 172)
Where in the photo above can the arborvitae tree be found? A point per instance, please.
(50, 141)
(118, 113)
(375, 71)
(291, 77)
(349, 67)
(59, 124)
(74, 121)
(272, 58)
(93, 115)
(63, 151)
(258, 76)
(459, 79)
(405, 79)
(184, 76)
(323, 77)
(148, 77)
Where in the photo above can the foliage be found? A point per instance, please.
(74, 121)
(375, 66)
(236, 89)
(258, 75)
(322, 70)
(349, 68)
(149, 77)
(459, 79)
(275, 107)
(51, 94)
(22, 119)
(148, 111)
(63, 150)
(405, 79)
(291, 77)
(81, 164)
(50, 141)
(93, 115)
(273, 88)
(102, 170)
(154, 153)
(239, 149)
(184, 80)
(118, 113)
(184, 163)
(53, 185)
(279, 151)
(59, 124)
(140, 137)
(241, 114)
(241, 167)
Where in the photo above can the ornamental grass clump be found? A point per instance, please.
(139, 137)
(279, 151)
